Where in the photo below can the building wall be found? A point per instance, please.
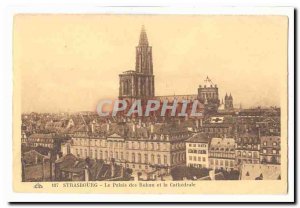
(270, 149)
(222, 153)
(247, 150)
(197, 155)
(133, 153)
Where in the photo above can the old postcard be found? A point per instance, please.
(140, 103)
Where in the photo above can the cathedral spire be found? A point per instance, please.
(143, 37)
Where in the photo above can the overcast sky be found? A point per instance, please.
(70, 62)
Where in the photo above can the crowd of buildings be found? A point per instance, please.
(85, 146)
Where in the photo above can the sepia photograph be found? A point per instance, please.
(153, 103)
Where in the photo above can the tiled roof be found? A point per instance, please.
(222, 142)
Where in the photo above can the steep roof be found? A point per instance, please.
(199, 138)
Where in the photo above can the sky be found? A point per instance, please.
(68, 63)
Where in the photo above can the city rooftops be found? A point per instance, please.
(43, 136)
(222, 142)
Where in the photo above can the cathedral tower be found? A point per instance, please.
(143, 62)
(139, 84)
(228, 102)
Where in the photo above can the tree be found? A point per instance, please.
(178, 173)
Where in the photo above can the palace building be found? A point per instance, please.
(141, 148)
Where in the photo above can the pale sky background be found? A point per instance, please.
(70, 62)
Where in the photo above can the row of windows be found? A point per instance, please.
(274, 143)
(222, 162)
(222, 154)
(247, 140)
(249, 154)
(221, 149)
(41, 140)
(197, 145)
(129, 144)
(133, 157)
(249, 146)
(199, 159)
(274, 151)
(133, 145)
(208, 94)
(41, 145)
(215, 130)
(197, 151)
(196, 165)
